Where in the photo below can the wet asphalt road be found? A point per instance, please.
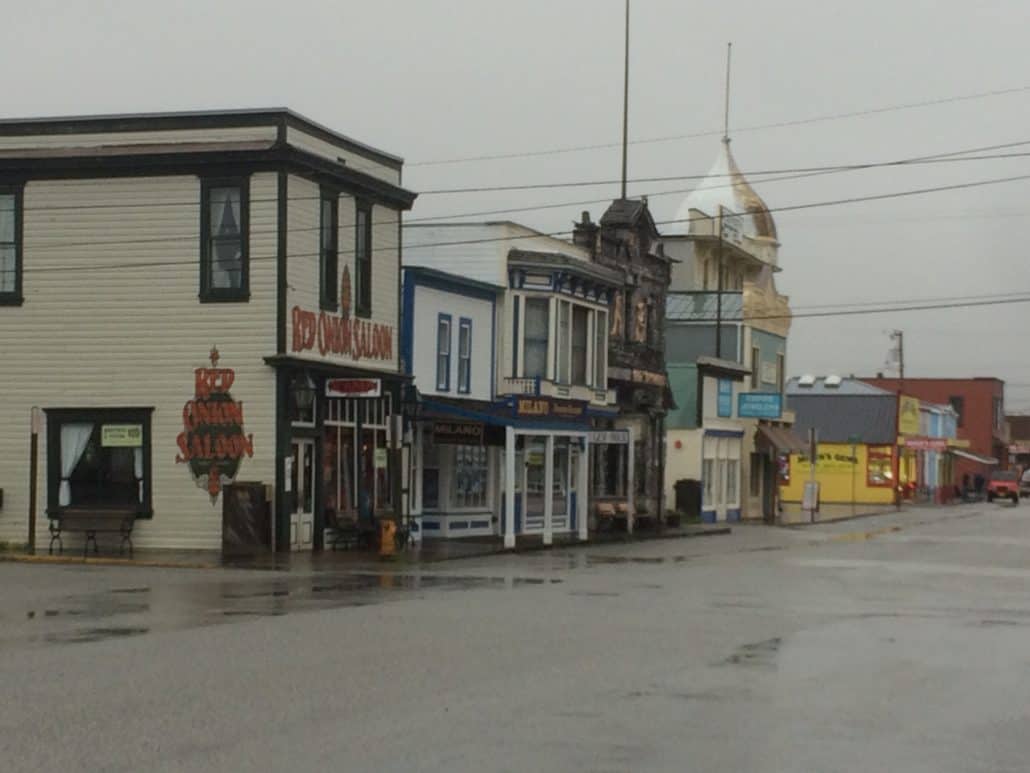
(823, 649)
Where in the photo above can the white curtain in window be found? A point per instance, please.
(225, 234)
(74, 438)
(137, 464)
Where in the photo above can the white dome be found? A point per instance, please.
(725, 186)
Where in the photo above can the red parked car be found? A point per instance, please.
(1003, 484)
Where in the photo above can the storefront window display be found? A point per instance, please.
(470, 477)
(345, 462)
(609, 469)
(879, 467)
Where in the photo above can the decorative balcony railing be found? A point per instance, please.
(537, 387)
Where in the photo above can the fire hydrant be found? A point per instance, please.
(387, 538)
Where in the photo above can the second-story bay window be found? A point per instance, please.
(224, 265)
(601, 350)
(562, 349)
(537, 324)
(580, 340)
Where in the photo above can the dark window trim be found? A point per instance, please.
(329, 292)
(15, 297)
(210, 294)
(465, 323)
(444, 384)
(363, 305)
(58, 416)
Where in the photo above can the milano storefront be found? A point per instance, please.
(524, 456)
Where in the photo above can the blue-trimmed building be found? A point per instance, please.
(508, 348)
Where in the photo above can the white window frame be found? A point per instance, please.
(464, 355)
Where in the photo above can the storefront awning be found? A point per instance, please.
(973, 457)
(782, 439)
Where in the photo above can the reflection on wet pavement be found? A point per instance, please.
(74, 618)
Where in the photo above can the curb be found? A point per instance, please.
(846, 518)
(68, 560)
(16, 558)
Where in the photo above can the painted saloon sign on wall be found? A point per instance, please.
(213, 441)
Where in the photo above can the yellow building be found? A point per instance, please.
(846, 473)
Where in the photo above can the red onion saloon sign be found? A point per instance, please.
(358, 339)
(212, 441)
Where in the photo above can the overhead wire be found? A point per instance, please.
(536, 234)
(718, 132)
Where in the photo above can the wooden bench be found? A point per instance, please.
(92, 523)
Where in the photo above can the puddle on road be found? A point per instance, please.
(76, 619)
(649, 560)
(759, 653)
(82, 636)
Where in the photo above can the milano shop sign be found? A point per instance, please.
(213, 441)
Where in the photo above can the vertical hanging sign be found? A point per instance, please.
(213, 441)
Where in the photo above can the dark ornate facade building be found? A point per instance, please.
(627, 240)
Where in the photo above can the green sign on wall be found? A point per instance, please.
(121, 435)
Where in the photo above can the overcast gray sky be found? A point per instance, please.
(440, 79)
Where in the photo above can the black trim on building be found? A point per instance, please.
(58, 416)
(282, 285)
(329, 254)
(16, 296)
(209, 293)
(363, 276)
(216, 162)
(279, 117)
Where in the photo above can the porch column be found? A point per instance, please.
(582, 484)
(631, 511)
(548, 490)
(509, 488)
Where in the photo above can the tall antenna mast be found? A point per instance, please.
(625, 106)
(726, 115)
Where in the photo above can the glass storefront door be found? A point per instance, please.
(302, 483)
(534, 470)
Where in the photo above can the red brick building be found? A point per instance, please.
(980, 405)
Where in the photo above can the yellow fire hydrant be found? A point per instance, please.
(387, 538)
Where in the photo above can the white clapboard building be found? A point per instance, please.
(190, 303)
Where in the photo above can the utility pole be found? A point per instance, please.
(899, 336)
(625, 105)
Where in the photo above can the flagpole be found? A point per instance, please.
(625, 105)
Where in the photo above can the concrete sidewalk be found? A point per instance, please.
(431, 551)
(793, 515)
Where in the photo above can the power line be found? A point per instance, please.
(718, 132)
(914, 307)
(788, 174)
(535, 234)
(752, 175)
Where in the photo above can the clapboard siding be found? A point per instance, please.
(303, 265)
(99, 139)
(99, 329)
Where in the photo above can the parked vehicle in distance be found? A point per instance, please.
(1024, 483)
(1003, 484)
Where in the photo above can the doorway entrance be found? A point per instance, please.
(302, 483)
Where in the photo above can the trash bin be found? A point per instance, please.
(387, 538)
